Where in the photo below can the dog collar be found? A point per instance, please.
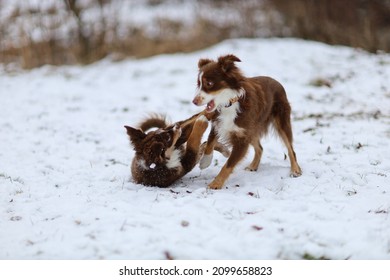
(232, 101)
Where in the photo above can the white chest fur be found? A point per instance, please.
(174, 161)
(225, 125)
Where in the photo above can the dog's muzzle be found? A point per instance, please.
(198, 100)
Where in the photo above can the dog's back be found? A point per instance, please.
(265, 104)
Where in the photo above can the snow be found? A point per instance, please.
(66, 190)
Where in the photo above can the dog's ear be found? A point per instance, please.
(227, 62)
(203, 61)
(136, 135)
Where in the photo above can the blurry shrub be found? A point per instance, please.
(357, 23)
(57, 32)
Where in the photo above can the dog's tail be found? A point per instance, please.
(153, 121)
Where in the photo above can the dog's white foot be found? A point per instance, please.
(295, 171)
(295, 174)
(205, 161)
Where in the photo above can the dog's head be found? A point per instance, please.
(219, 82)
(152, 146)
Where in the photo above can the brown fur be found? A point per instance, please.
(252, 104)
(152, 163)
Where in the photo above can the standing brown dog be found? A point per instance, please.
(241, 110)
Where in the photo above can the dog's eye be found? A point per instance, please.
(209, 84)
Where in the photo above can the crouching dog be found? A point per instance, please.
(170, 151)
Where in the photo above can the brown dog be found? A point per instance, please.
(241, 110)
(166, 154)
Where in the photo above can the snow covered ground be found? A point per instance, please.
(65, 184)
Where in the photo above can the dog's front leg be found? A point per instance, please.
(176, 135)
(238, 153)
(208, 151)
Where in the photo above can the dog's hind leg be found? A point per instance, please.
(254, 165)
(283, 127)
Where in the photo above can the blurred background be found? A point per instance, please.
(57, 32)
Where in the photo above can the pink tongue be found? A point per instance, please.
(210, 106)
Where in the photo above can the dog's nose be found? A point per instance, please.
(196, 100)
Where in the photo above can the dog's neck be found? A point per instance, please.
(241, 93)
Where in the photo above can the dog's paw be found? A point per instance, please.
(249, 168)
(177, 129)
(201, 123)
(296, 173)
(215, 185)
(205, 161)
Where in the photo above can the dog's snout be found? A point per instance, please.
(197, 100)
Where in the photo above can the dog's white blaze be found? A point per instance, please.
(199, 89)
(200, 79)
(200, 93)
(174, 160)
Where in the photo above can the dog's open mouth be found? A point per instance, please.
(210, 106)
